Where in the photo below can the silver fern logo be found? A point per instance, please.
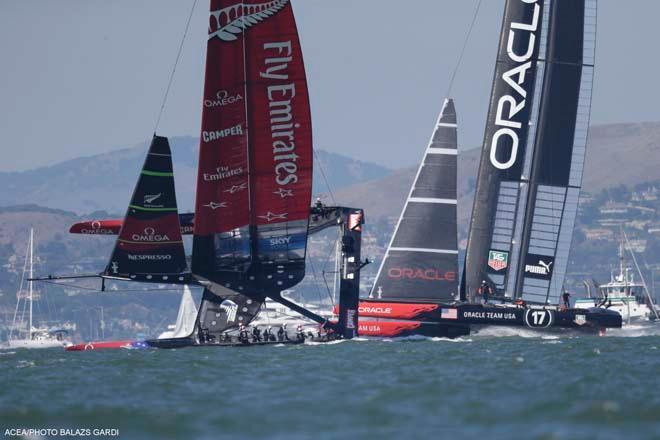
(229, 22)
(230, 308)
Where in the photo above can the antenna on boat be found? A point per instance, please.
(30, 284)
(641, 275)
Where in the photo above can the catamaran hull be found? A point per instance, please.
(406, 319)
(108, 345)
(35, 343)
(396, 329)
(188, 342)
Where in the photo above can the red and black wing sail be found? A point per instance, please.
(255, 169)
(149, 246)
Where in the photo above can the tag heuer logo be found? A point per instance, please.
(580, 319)
(498, 260)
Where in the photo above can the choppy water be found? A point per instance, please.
(496, 384)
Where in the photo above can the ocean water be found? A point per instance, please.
(497, 384)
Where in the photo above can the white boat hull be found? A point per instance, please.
(36, 343)
(630, 310)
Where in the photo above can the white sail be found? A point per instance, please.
(185, 320)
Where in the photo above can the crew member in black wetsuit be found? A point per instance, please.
(300, 335)
(566, 298)
(280, 334)
(267, 334)
(201, 335)
(485, 291)
(243, 334)
(256, 334)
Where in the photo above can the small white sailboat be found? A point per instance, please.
(185, 320)
(32, 337)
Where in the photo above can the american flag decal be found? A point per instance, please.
(449, 314)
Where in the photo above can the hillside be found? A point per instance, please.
(105, 181)
(617, 154)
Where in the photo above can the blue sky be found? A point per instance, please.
(80, 77)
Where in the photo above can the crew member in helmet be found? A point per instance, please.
(280, 334)
(300, 335)
(566, 298)
(485, 291)
(242, 334)
(256, 334)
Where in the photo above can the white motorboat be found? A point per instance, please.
(624, 294)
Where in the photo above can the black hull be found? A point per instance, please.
(189, 342)
(429, 319)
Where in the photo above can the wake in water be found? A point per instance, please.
(650, 328)
(507, 332)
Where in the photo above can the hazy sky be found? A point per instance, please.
(78, 77)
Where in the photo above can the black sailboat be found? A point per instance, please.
(526, 197)
(149, 246)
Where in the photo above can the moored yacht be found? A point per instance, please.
(24, 334)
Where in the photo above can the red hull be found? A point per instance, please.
(392, 310)
(387, 329)
(110, 345)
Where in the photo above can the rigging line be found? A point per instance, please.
(316, 280)
(325, 179)
(465, 42)
(176, 63)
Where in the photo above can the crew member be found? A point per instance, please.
(242, 334)
(300, 335)
(319, 204)
(286, 333)
(256, 334)
(271, 337)
(280, 334)
(566, 298)
(485, 291)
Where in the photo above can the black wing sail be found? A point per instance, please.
(558, 162)
(225, 310)
(533, 153)
(421, 261)
(149, 246)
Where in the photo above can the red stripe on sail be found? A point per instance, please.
(280, 121)
(222, 181)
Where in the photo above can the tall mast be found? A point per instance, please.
(30, 281)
